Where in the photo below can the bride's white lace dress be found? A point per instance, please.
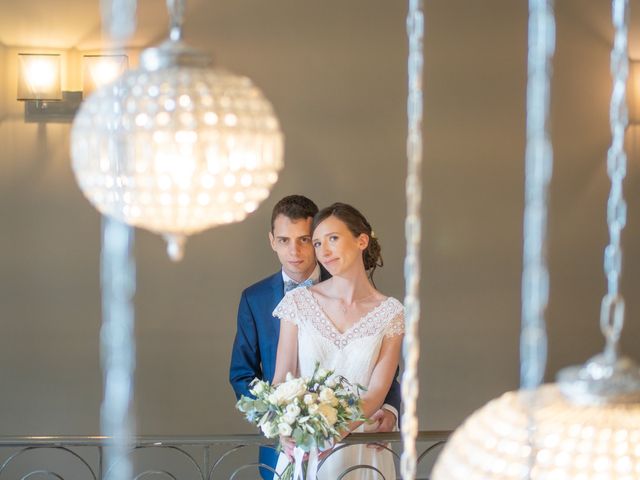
(352, 354)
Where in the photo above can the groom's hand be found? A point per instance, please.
(384, 421)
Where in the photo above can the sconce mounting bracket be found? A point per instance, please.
(58, 111)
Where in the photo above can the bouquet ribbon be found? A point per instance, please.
(312, 463)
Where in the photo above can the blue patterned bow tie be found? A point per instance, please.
(290, 284)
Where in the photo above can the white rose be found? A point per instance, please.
(288, 391)
(284, 429)
(328, 396)
(322, 372)
(329, 413)
(293, 409)
(309, 398)
(289, 418)
(313, 409)
(331, 382)
(269, 429)
(258, 388)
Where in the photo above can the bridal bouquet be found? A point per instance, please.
(312, 410)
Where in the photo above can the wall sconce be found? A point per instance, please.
(39, 77)
(39, 84)
(98, 70)
(39, 87)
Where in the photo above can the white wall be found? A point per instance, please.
(335, 72)
(3, 75)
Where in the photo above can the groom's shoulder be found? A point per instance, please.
(262, 286)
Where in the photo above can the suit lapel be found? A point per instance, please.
(276, 296)
(277, 290)
(271, 294)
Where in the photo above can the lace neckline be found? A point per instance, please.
(358, 322)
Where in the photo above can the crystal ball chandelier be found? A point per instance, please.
(176, 146)
(574, 438)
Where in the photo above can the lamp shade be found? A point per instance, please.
(99, 70)
(39, 77)
(176, 146)
(571, 441)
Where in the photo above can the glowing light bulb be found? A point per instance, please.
(100, 70)
(39, 77)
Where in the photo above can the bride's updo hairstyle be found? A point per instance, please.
(357, 225)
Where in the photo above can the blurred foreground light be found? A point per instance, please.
(177, 146)
(570, 441)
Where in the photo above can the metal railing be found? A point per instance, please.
(206, 457)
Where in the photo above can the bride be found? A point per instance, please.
(346, 325)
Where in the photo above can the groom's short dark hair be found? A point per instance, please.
(294, 207)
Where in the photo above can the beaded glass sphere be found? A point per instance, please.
(590, 442)
(176, 149)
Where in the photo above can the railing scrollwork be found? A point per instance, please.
(232, 457)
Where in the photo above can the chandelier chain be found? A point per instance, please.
(411, 347)
(176, 10)
(612, 311)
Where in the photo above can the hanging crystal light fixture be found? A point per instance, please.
(587, 425)
(411, 345)
(176, 146)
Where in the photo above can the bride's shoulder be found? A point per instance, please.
(393, 303)
(380, 297)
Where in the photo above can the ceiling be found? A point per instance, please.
(66, 24)
(76, 23)
(73, 23)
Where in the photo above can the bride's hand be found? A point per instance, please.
(288, 444)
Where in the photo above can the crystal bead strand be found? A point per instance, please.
(411, 348)
(118, 279)
(117, 346)
(538, 171)
(539, 165)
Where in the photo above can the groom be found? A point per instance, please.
(256, 343)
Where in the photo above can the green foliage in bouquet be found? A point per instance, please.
(313, 410)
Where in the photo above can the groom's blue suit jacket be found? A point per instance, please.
(256, 344)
